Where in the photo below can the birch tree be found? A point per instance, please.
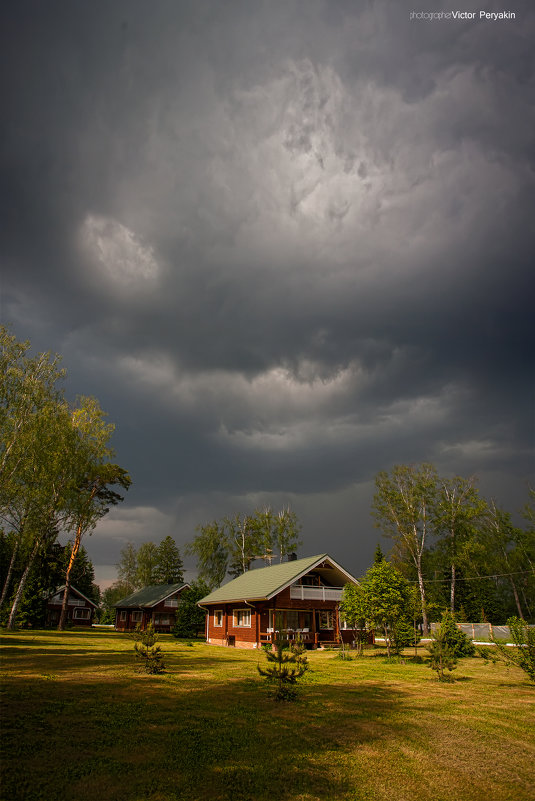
(91, 491)
(210, 546)
(403, 506)
(459, 510)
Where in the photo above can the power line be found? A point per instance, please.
(472, 578)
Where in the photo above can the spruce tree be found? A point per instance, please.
(284, 668)
(148, 655)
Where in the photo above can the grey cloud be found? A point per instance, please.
(286, 244)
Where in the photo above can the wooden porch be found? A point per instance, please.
(310, 639)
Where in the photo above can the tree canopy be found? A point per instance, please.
(55, 469)
(234, 543)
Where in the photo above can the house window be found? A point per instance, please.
(242, 617)
(171, 602)
(122, 615)
(289, 619)
(218, 617)
(326, 619)
(82, 614)
(161, 620)
(137, 617)
(76, 601)
(292, 619)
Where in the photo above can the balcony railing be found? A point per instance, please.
(300, 592)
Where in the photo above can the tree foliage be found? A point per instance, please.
(459, 644)
(463, 552)
(231, 545)
(284, 667)
(55, 470)
(190, 618)
(148, 655)
(382, 598)
(169, 563)
(403, 505)
(150, 564)
(442, 658)
(523, 653)
(147, 564)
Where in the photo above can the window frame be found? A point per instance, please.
(241, 611)
(85, 616)
(218, 613)
(329, 615)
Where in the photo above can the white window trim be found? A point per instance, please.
(216, 613)
(80, 616)
(171, 602)
(122, 614)
(235, 618)
(137, 616)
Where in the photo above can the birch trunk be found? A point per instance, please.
(22, 584)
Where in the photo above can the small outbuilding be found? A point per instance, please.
(299, 597)
(80, 608)
(156, 604)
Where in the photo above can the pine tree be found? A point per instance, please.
(442, 656)
(148, 655)
(169, 565)
(284, 668)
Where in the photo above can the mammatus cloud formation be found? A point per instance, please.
(286, 245)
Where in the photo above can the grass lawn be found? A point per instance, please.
(79, 725)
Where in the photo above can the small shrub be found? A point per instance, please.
(459, 644)
(148, 655)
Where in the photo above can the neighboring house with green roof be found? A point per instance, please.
(156, 604)
(299, 596)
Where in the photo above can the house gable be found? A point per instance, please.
(156, 604)
(266, 582)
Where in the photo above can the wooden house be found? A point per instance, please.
(80, 608)
(156, 604)
(300, 596)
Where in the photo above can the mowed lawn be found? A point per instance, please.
(78, 724)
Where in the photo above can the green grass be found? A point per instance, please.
(79, 724)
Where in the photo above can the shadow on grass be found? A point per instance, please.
(159, 738)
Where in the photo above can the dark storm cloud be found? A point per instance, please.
(286, 245)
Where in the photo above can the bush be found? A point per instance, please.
(402, 635)
(458, 643)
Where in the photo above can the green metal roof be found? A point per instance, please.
(265, 582)
(149, 596)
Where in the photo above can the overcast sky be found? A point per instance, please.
(285, 243)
